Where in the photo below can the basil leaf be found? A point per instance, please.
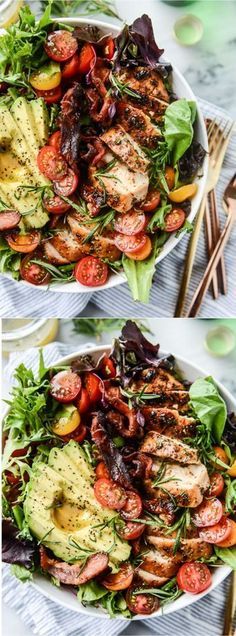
(209, 406)
(228, 555)
(178, 126)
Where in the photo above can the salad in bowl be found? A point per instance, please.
(102, 156)
(119, 480)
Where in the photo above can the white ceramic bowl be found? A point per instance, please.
(182, 89)
(66, 598)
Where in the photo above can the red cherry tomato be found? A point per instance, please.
(102, 471)
(87, 58)
(93, 386)
(109, 48)
(65, 386)
(208, 513)
(152, 201)
(66, 186)
(143, 252)
(60, 45)
(121, 580)
(133, 507)
(108, 368)
(133, 222)
(78, 435)
(130, 244)
(51, 164)
(174, 220)
(141, 603)
(216, 485)
(217, 533)
(194, 577)
(55, 205)
(32, 272)
(71, 68)
(230, 541)
(91, 271)
(51, 96)
(24, 243)
(109, 494)
(55, 140)
(83, 402)
(130, 531)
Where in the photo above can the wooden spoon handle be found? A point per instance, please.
(213, 262)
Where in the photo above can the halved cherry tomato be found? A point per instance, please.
(78, 435)
(83, 401)
(109, 494)
(51, 164)
(183, 193)
(133, 222)
(109, 48)
(34, 273)
(220, 454)
(130, 244)
(87, 58)
(141, 253)
(71, 68)
(60, 45)
(91, 271)
(152, 201)
(12, 479)
(232, 470)
(216, 485)
(66, 186)
(121, 579)
(141, 603)
(55, 140)
(108, 368)
(55, 205)
(133, 506)
(230, 541)
(65, 423)
(47, 77)
(174, 220)
(194, 577)
(23, 243)
(93, 386)
(51, 97)
(102, 471)
(208, 513)
(217, 533)
(170, 177)
(65, 386)
(130, 531)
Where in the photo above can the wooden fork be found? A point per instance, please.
(218, 138)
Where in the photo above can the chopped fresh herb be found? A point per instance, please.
(123, 89)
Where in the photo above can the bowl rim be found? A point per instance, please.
(119, 278)
(188, 599)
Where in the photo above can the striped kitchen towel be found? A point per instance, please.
(46, 618)
(20, 300)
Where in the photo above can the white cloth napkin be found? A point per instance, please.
(19, 300)
(46, 618)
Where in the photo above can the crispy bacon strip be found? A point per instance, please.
(75, 574)
(111, 455)
(131, 422)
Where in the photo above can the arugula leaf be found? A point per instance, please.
(90, 592)
(21, 573)
(230, 495)
(158, 218)
(139, 275)
(187, 227)
(9, 260)
(209, 406)
(178, 126)
(228, 555)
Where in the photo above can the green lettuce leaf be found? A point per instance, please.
(139, 275)
(21, 573)
(209, 406)
(228, 555)
(178, 126)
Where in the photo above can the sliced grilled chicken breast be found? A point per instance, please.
(168, 448)
(168, 421)
(123, 187)
(190, 549)
(158, 563)
(156, 381)
(186, 483)
(152, 94)
(150, 578)
(138, 124)
(101, 244)
(68, 246)
(125, 148)
(52, 254)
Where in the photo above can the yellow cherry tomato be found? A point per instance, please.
(47, 77)
(170, 176)
(185, 192)
(220, 454)
(68, 419)
(232, 469)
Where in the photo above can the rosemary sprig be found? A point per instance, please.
(62, 274)
(167, 594)
(139, 397)
(123, 89)
(102, 221)
(158, 157)
(181, 525)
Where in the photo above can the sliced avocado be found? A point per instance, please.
(62, 511)
(23, 116)
(4, 197)
(41, 120)
(24, 201)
